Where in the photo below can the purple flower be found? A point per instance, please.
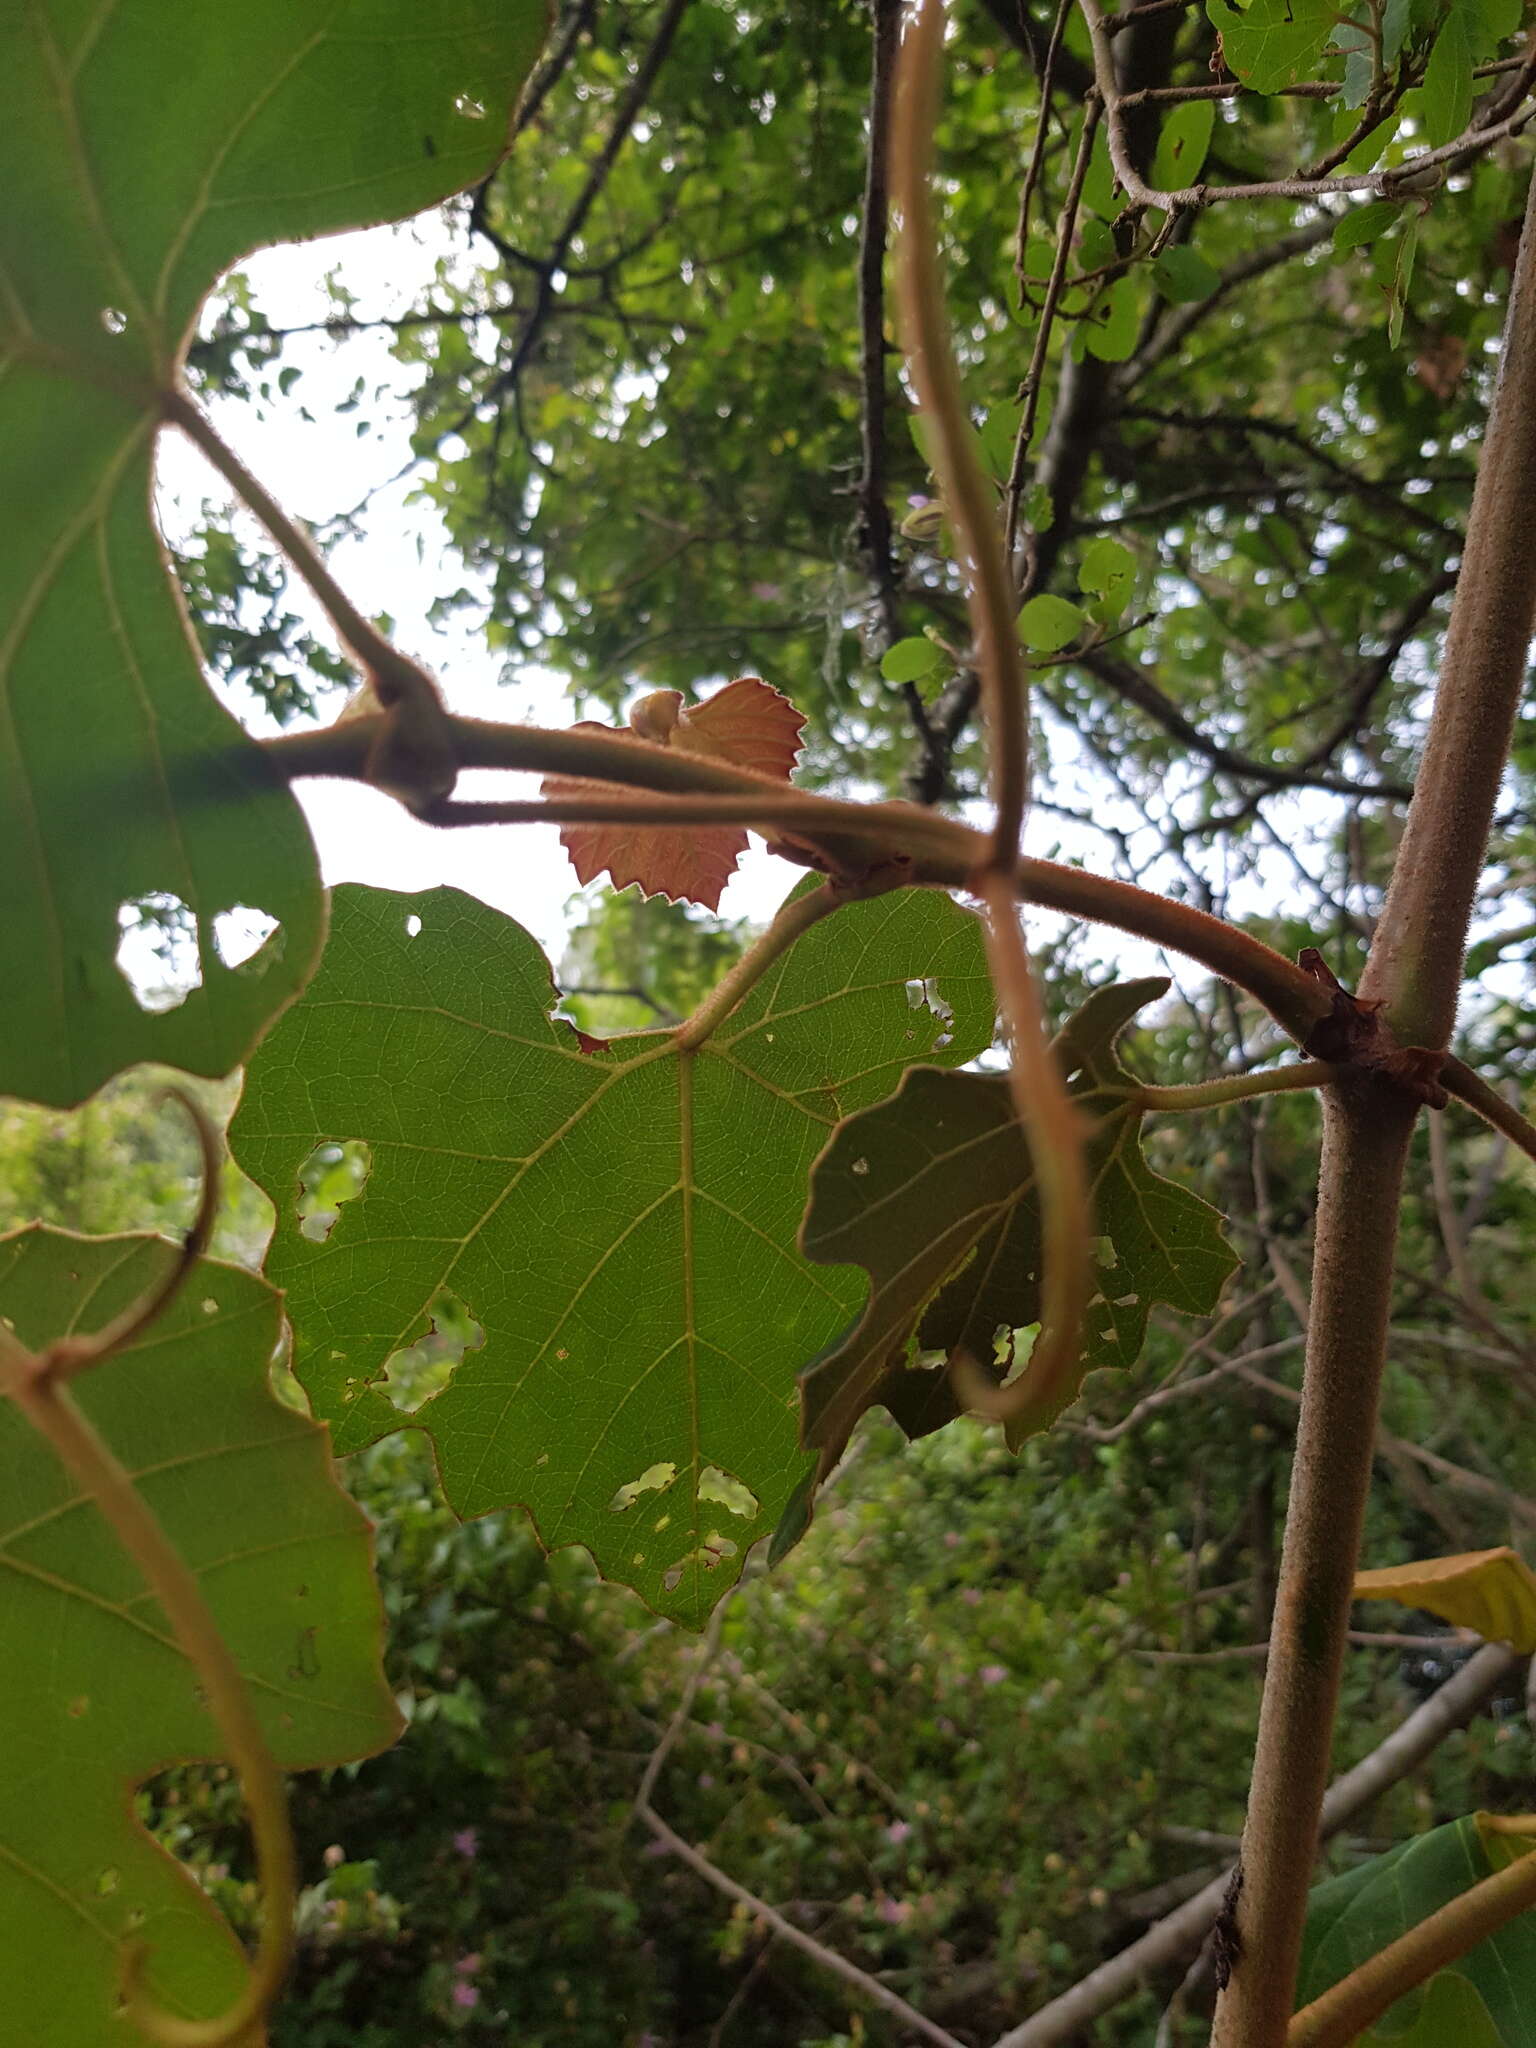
(465, 1997)
(467, 1842)
(898, 1831)
(970, 1596)
(992, 1674)
(894, 1911)
(466, 1966)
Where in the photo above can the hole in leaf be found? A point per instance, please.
(654, 1479)
(333, 1174)
(719, 1486)
(209, 1306)
(157, 951)
(107, 1882)
(860, 1167)
(422, 1369)
(413, 926)
(471, 109)
(924, 994)
(114, 319)
(711, 1553)
(244, 939)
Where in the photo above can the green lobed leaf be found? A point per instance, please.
(621, 1223)
(933, 1194)
(1272, 43)
(1487, 1999)
(97, 1695)
(143, 150)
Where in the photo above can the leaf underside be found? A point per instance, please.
(932, 1193)
(1492, 1591)
(621, 1223)
(97, 1695)
(144, 148)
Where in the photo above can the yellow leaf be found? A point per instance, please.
(1491, 1591)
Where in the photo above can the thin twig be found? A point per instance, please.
(551, 267)
(829, 1959)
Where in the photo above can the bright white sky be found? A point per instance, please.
(322, 466)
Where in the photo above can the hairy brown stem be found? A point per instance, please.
(1366, 1129)
(1414, 968)
(939, 852)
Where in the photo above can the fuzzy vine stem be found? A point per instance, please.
(37, 1382)
(414, 753)
(1228, 1088)
(1049, 1120)
(793, 918)
(939, 852)
(47, 1404)
(1414, 969)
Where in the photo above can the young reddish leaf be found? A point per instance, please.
(748, 724)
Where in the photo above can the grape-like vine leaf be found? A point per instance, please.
(97, 1694)
(620, 1223)
(1484, 1999)
(143, 149)
(932, 1192)
(748, 724)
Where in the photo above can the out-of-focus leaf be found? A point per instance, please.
(1047, 624)
(1492, 1591)
(1183, 276)
(908, 661)
(1110, 325)
(1107, 574)
(1366, 224)
(1182, 142)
